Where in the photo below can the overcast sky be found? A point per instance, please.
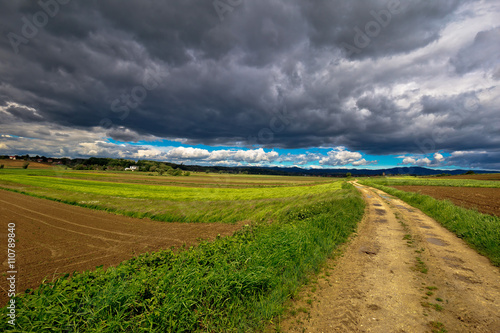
(316, 83)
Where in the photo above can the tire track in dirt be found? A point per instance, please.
(54, 238)
(402, 272)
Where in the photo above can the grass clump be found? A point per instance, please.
(233, 284)
(437, 327)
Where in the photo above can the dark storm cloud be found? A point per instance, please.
(476, 159)
(482, 53)
(274, 73)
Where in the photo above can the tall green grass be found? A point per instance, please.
(234, 284)
(480, 231)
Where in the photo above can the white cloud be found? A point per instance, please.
(188, 153)
(421, 161)
(300, 159)
(438, 157)
(222, 156)
(341, 156)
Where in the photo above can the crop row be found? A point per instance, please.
(172, 193)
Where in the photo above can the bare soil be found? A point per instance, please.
(55, 238)
(486, 176)
(485, 200)
(8, 163)
(402, 272)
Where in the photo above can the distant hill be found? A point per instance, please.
(100, 163)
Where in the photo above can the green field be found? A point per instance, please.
(234, 284)
(119, 193)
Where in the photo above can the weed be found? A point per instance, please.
(421, 266)
(437, 327)
(435, 306)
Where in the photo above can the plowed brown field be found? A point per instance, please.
(488, 176)
(55, 238)
(485, 200)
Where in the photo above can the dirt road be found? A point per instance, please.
(54, 238)
(403, 272)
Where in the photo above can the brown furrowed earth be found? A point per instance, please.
(54, 238)
(485, 200)
(486, 176)
(19, 164)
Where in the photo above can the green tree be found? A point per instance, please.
(25, 165)
(470, 172)
(348, 175)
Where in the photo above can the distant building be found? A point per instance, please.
(131, 168)
(12, 158)
(49, 160)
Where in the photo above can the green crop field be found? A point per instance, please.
(166, 202)
(233, 284)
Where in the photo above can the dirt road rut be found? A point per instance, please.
(403, 272)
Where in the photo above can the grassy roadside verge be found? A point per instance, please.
(480, 231)
(233, 284)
